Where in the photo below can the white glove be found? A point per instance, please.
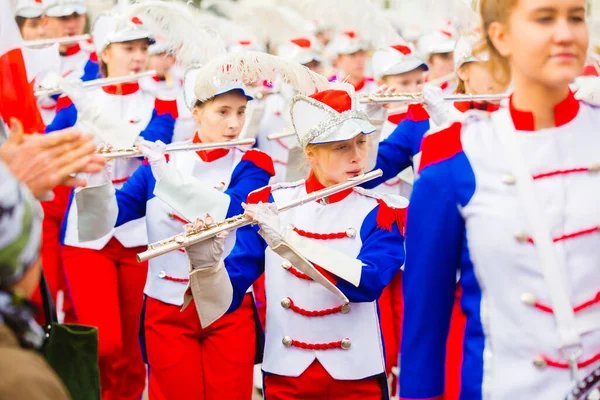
(209, 252)
(377, 111)
(267, 217)
(155, 153)
(104, 176)
(436, 106)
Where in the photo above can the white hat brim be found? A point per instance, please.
(29, 12)
(404, 67)
(347, 130)
(64, 10)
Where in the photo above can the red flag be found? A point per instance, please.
(16, 94)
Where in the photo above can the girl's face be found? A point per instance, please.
(126, 58)
(33, 29)
(478, 79)
(222, 118)
(441, 64)
(161, 63)
(545, 41)
(333, 163)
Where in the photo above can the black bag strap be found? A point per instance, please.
(47, 302)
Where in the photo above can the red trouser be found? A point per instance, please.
(316, 384)
(107, 288)
(54, 213)
(191, 363)
(454, 350)
(391, 311)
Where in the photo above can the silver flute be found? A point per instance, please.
(414, 98)
(99, 83)
(282, 134)
(131, 152)
(50, 41)
(196, 236)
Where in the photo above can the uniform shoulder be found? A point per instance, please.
(263, 194)
(259, 158)
(441, 144)
(391, 208)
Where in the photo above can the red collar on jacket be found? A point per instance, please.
(312, 185)
(122, 89)
(71, 51)
(564, 112)
(464, 106)
(209, 155)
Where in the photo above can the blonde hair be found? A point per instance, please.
(495, 11)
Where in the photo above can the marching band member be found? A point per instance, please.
(438, 49)
(118, 278)
(317, 346)
(216, 362)
(77, 60)
(63, 19)
(304, 51)
(403, 147)
(507, 199)
(28, 14)
(350, 55)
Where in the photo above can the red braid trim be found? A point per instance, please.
(320, 236)
(565, 365)
(313, 313)
(317, 346)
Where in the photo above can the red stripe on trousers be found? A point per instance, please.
(454, 350)
(107, 288)
(391, 311)
(188, 362)
(316, 383)
(54, 213)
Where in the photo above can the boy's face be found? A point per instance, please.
(408, 82)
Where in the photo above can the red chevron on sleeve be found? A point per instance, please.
(440, 146)
(63, 102)
(260, 195)
(261, 159)
(163, 107)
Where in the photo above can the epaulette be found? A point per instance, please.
(261, 159)
(440, 146)
(163, 107)
(392, 208)
(262, 194)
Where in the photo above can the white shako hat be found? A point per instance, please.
(463, 53)
(29, 8)
(301, 50)
(331, 115)
(207, 92)
(63, 8)
(437, 42)
(110, 28)
(395, 60)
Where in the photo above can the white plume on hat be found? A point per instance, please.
(252, 67)
(29, 9)
(181, 30)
